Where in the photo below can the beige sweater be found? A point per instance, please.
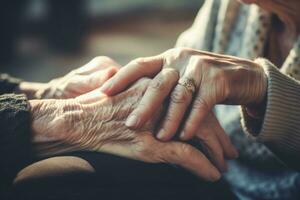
(228, 27)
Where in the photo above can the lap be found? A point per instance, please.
(89, 175)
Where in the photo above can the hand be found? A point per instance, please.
(210, 134)
(79, 81)
(215, 142)
(213, 78)
(95, 122)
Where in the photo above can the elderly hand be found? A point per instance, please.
(193, 79)
(96, 122)
(77, 82)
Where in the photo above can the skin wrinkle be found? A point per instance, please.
(101, 127)
(113, 113)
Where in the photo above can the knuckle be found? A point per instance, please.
(181, 52)
(200, 104)
(185, 149)
(163, 80)
(139, 61)
(179, 95)
(170, 74)
(158, 84)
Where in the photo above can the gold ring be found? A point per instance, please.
(188, 83)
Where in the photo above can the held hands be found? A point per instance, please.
(193, 79)
(96, 122)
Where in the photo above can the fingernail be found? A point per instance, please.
(161, 134)
(131, 121)
(215, 175)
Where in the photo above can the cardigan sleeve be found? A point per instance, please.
(14, 129)
(279, 129)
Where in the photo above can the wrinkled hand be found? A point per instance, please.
(80, 81)
(96, 122)
(217, 79)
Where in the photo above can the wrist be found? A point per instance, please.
(257, 111)
(258, 107)
(51, 125)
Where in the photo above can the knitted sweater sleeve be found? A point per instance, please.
(14, 128)
(279, 129)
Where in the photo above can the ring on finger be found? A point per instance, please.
(188, 83)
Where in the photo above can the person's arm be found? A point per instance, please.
(279, 127)
(77, 82)
(96, 122)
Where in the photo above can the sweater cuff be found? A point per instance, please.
(280, 127)
(15, 138)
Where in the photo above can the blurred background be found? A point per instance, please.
(44, 39)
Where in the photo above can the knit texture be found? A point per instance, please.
(14, 134)
(280, 129)
(15, 145)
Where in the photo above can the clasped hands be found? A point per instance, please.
(139, 110)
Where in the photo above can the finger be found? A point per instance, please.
(207, 136)
(199, 110)
(181, 98)
(91, 97)
(190, 158)
(98, 78)
(131, 72)
(153, 98)
(230, 152)
(179, 102)
(96, 64)
(154, 151)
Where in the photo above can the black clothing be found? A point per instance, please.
(14, 130)
(117, 178)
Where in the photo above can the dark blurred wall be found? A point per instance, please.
(10, 19)
(43, 39)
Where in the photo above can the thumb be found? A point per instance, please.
(97, 79)
(133, 71)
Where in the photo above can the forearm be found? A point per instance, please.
(48, 121)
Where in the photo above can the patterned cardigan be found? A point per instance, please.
(270, 149)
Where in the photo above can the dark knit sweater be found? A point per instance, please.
(14, 129)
